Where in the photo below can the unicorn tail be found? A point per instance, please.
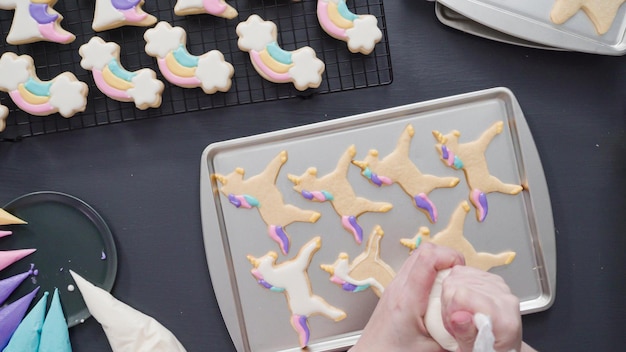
(479, 200)
(279, 236)
(301, 325)
(423, 203)
(349, 223)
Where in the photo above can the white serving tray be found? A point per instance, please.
(258, 320)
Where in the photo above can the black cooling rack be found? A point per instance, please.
(297, 26)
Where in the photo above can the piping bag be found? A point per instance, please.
(434, 322)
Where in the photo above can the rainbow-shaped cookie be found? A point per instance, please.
(361, 32)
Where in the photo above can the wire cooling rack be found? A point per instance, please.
(297, 26)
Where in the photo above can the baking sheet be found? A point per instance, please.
(530, 20)
(258, 320)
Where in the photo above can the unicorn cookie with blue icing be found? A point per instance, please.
(360, 32)
(209, 71)
(63, 94)
(470, 157)
(103, 60)
(111, 14)
(34, 21)
(300, 67)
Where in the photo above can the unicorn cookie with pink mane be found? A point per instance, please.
(111, 14)
(34, 21)
(360, 32)
(217, 8)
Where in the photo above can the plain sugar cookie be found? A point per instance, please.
(601, 12)
(34, 21)
(111, 14)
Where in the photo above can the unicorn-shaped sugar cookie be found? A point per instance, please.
(452, 237)
(301, 66)
(336, 189)
(260, 192)
(360, 32)
(209, 71)
(34, 21)
(111, 14)
(398, 168)
(217, 8)
(601, 12)
(291, 279)
(470, 157)
(103, 60)
(63, 94)
(367, 270)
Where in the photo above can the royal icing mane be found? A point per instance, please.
(300, 67)
(212, 7)
(103, 60)
(35, 21)
(111, 14)
(209, 71)
(63, 94)
(360, 32)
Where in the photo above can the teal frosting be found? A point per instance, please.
(184, 58)
(55, 336)
(343, 10)
(120, 72)
(278, 54)
(41, 89)
(27, 335)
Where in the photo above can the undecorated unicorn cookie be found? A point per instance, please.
(63, 94)
(4, 113)
(212, 7)
(397, 167)
(452, 237)
(360, 32)
(470, 157)
(300, 67)
(291, 278)
(103, 60)
(209, 71)
(34, 21)
(260, 192)
(601, 12)
(335, 188)
(367, 270)
(111, 14)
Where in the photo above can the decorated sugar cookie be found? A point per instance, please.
(291, 278)
(4, 113)
(470, 157)
(336, 189)
(300, 67)
(111, 14)
(601, 12)
(34, 21)
(103, 60)
(360, 32)
(452, 236)
(63, 94)
(367, 270)
(398, 168)
(212, 7)
(209, 71)
(260, 192)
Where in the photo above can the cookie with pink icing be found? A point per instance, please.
(291, 278)
(111, 14)
(63, 94)
(103, 60)
(4, 113)
(209, 71)
(360, 32)
(300, 67)
(34, 21)
(217, 8)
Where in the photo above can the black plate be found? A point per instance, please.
(68, 234)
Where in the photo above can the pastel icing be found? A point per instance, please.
(9, 257)
(35, 21)
(27, 336)
(111, 14)
(64, 94)
(5, 233)
(349, 222)
(423, 202)
(8, 285)
(54, 334)
(11, 316)
(300, 67)
(212, 7)
(126, 328)
(479, 200)
(103, 60)
(210, 71)
(360, 32)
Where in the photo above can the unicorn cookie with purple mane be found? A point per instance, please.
(34, 21)
(111, 14)
(291, 278)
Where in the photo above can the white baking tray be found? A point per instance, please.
(258, 319)
(530, 21)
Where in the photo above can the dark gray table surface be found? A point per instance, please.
(143, 177)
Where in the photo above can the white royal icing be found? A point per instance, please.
(307, 68)
(68, 95)
(163, 38)
(97, 53)
(14, 70)
(24, 28)
(255, 33)
(342, 271)
(147, 90)
(364, 35)
(4, 113)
